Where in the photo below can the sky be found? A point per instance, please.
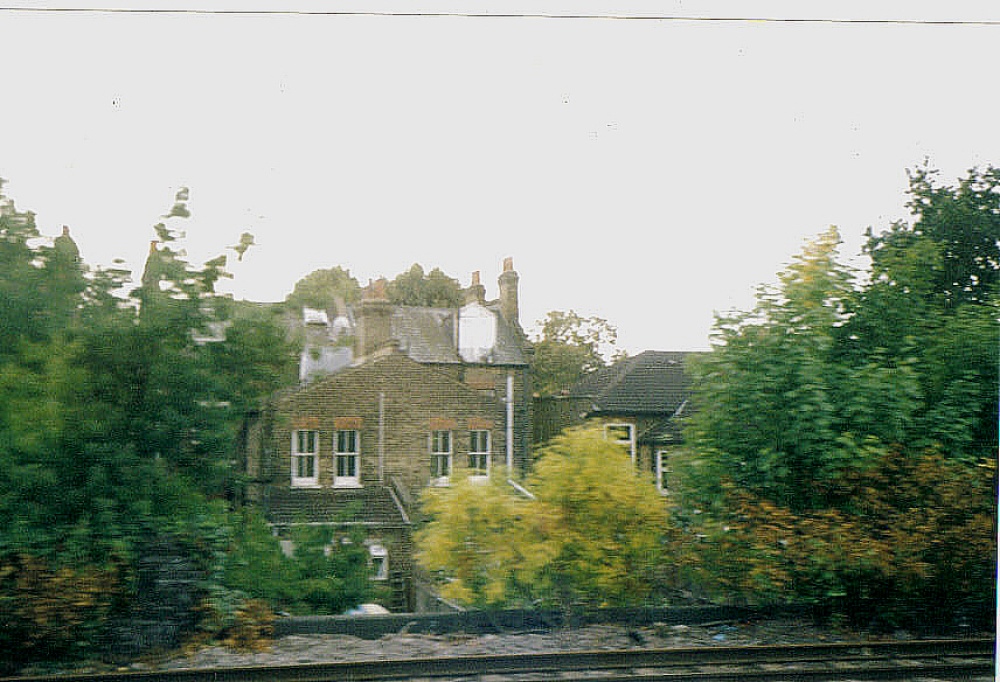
(650, 172)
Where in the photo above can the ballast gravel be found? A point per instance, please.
(304, 649)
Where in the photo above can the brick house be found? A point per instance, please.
(420, 395)
(639, 400)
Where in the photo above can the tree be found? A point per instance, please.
(607, 523)
(322, 576)
(774, 414)
(964, 222)
(838, 423)
(481, 543)
(594, 533)
(932, 302)
(570, 346)
(434, 289)
(124, 406)
(321, 288)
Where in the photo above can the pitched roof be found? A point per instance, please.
(371, 505)
(428, 335)
(652, 382)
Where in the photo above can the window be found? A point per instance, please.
(479, 452)
(378, 557)
(663, 471)
(345, 458)
(305, 447)
(440, 456)
(623, 434)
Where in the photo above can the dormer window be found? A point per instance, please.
(477, 333)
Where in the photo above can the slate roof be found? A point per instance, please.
(428, 335)
(652, 382)
(371, 505)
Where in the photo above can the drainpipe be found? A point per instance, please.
(381, 437)
(510, 424)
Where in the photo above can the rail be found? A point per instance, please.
(969, 659)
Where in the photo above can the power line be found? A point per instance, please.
(501, 15)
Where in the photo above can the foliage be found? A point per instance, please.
(593, 535)
(51, 612)
(321, 288)
(844, 444)
(325, 574)
(963, 222)
(482, 542)
(914, 543)
(773, 414)
(605, 520)
(932, 301)
(117, 417)
(434, 289)
(568, 347)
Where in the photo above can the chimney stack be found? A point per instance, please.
(476, 293)
(508, 292)
(375, 328)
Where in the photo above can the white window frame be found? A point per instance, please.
(629, 441)
(441, 456)
(378, 557)
(480, 455)
(338, 454)
(662, 471)
(300, 456)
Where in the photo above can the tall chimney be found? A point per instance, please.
(476, 293)
(508, 292)
(375, 327)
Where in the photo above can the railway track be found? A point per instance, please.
(971, 659)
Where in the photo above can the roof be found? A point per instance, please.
(427, 335)
(652, 382)
(371, 505)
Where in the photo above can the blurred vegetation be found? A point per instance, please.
(592, 536)
(843, 448)
(324, 575)
(569, 347)
(119, 410)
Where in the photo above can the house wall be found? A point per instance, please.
(415, 399)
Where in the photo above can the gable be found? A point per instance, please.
(392, 374)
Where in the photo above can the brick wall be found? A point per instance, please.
(394, 403)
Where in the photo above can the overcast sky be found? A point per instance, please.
(649, 172)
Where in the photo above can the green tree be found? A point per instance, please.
(322, 576)
(321, 288)
(838, 423)
(774, 414)
(124, 406)
(932, 302)
(434, 289)
(568, 347)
